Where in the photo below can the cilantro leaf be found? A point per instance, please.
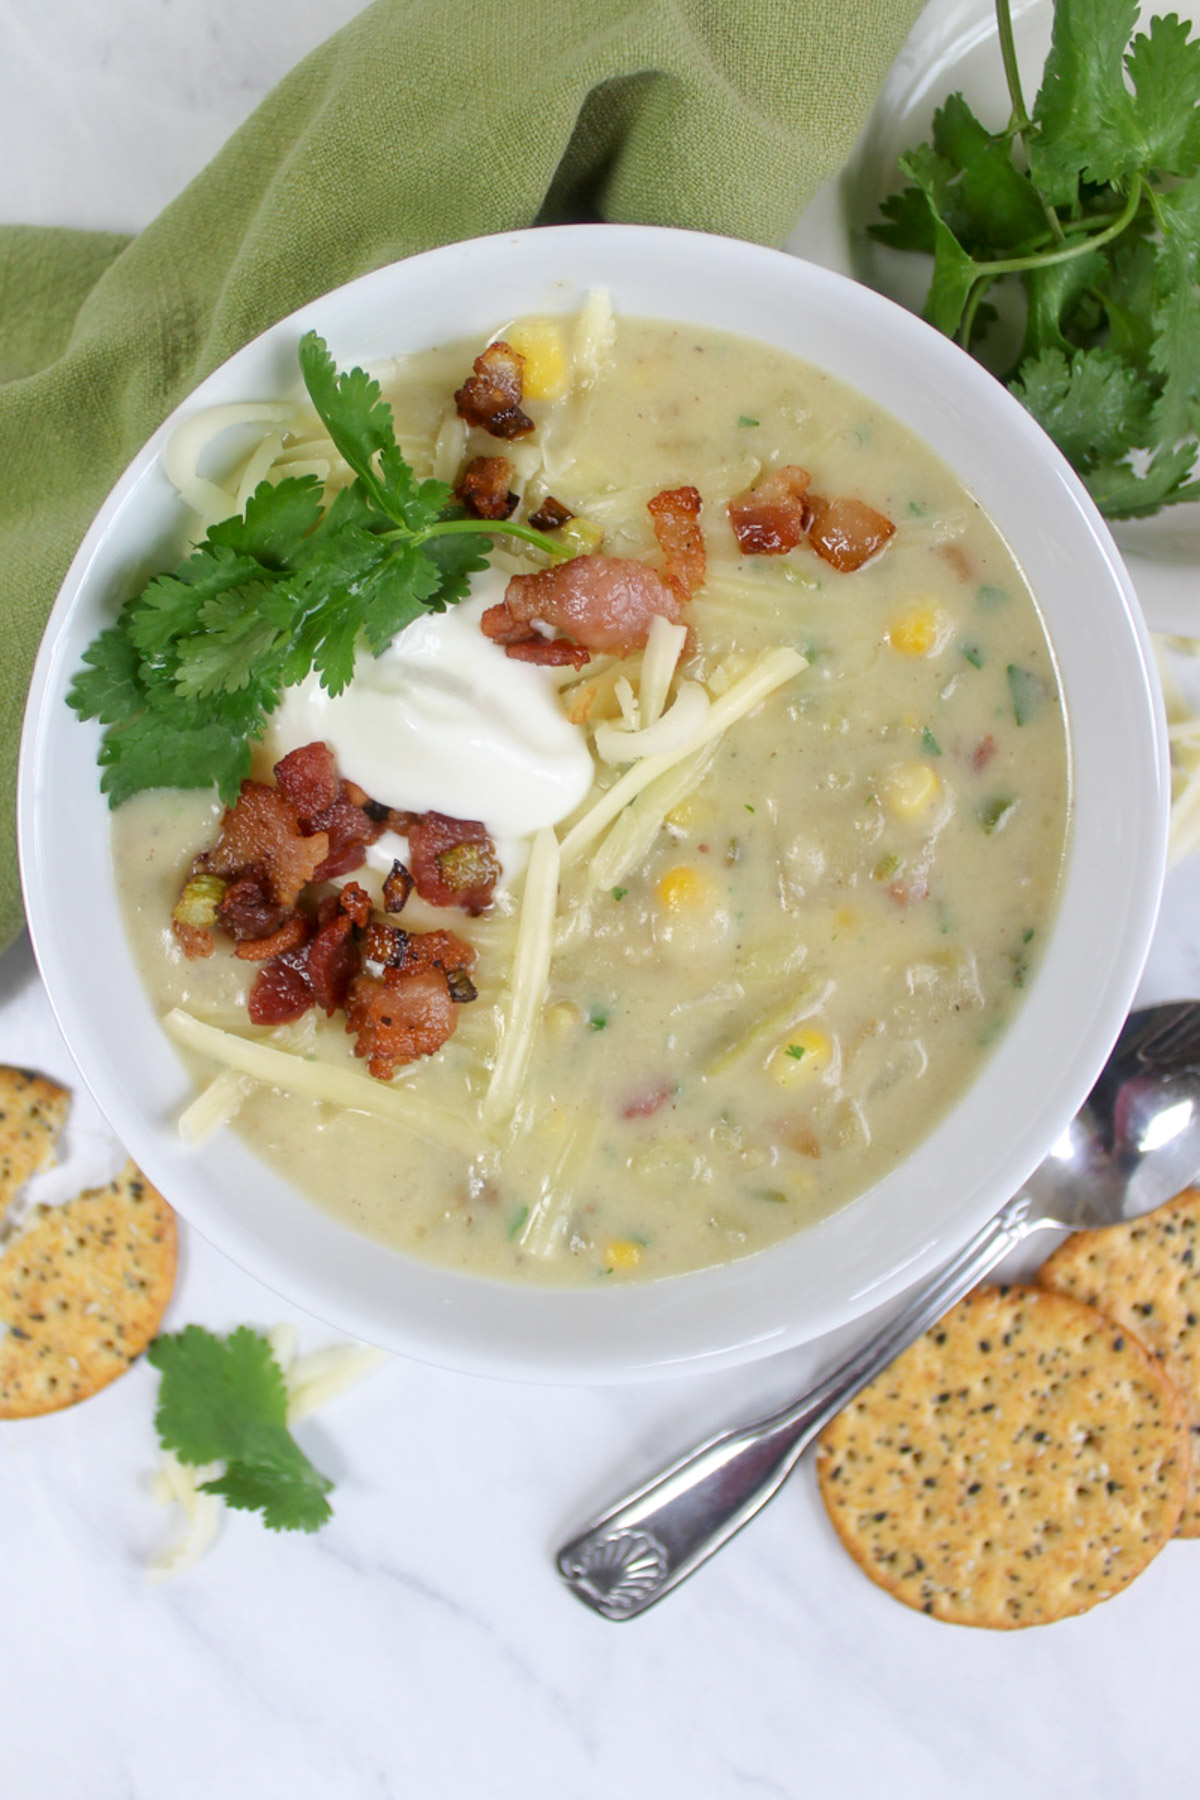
(225, 1400)
(1084, 111)
(1091, 403)
(354, 412)
(954, 271)
(1123, 492)
(173, 743)
(107, 687)
(1175, 352)
(990, 205)
(1054, 292)
(1164, 67)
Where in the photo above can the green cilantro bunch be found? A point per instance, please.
(184, 681)
(1092, 202)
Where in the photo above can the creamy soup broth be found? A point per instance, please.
(829, 929)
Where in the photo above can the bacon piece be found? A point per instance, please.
(385, 944)
(399, 1018)
(484, 490)
(247, 910)
(453, 861)
(602, 602)
(675, 515)
(355, 902)
(550, 653)
(291, 934)
(335, 955)
(983, 753)
(309, 778)
(397, 886)
(846, 532)
(770, 519)
(646, 1104)
(262, 831)
(281, 990)
(350, 820)
(334, 960)
(196, 941)
(436, 950)
(491, 397)
(551, 515)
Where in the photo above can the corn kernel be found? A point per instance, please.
(683, 889)
(916, 632)
(562, 1018)
(911, 789)
(689, 812)
(540, 342)
(804, 1053)
(623, 1253)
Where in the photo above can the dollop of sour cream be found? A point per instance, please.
(444, 721)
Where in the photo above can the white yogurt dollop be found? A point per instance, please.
(445, 722)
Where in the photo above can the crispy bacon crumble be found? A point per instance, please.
(259, 884)
(490, 398)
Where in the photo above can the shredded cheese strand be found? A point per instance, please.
(771, 671)
(634, 832)
(664, 647)
(530, 973)
(318, 1080)
(185, 447)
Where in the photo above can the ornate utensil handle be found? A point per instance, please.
(647, 1544)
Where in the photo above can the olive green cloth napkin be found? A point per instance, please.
(421, 122)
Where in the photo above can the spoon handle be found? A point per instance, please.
(648, 1543)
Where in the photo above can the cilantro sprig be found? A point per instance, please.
(224, 1400)
(1091, 201)
(184, 681)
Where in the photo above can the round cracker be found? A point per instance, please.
(1022, 1461)
(1146, 1274)
(33, 1110)
(82, 1290)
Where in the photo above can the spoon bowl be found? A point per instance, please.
(1133, 1144)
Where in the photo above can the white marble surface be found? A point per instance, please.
(420, 1646)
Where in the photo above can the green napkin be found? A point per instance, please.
(420, 123)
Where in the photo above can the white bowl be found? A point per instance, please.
(1037, 1077)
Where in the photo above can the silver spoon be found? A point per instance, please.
(1134, 1143)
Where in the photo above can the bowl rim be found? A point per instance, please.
(830, 1274)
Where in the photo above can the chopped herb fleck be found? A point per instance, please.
(996, 814)
(597, 1018)
(973, 654)
(929, 743)
(776, 1196)
(745, 419)
(989, 596)
(1026, 692)
(619, 893)
(796, 1050)
(516, 1221)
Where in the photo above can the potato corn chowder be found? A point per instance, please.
(720, 1004)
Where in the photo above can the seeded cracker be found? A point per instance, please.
(33, 1110)
(82, 1290)
(1022, 1461)
(1146, 1274)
